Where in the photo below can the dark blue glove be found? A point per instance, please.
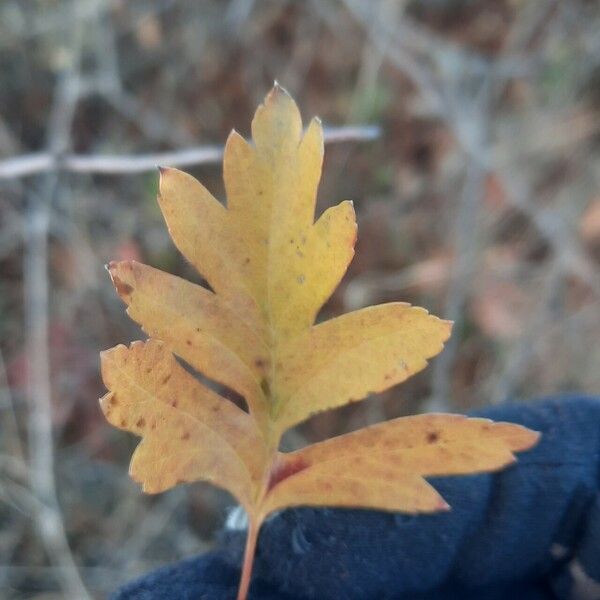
(527, 533)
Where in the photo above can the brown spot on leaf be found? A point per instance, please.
(266, 389)
(123, 289)
(174, 402)
(284, 468)
(166, 378)
(432, 437)
(185, 435)
(140, 422)
(123, 422)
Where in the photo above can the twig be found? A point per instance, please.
(149, 527)
(405, 58)
(114, 164)
(41, 447)
(47, 515)
(9, 419)
(505, 384)
(466, 241)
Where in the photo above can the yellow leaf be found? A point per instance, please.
(202, 231)
(189, 431)
(383, 466)
(272, 189)
(271, 267)
(347, 358)
(197, 325)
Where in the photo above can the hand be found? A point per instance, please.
(527, 533)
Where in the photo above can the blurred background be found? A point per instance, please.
(478, 197)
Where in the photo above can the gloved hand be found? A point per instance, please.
(529, 532)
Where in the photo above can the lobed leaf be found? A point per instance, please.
(383, 466)
(352, 356)
(189, 432)
(197, 325)
(271, 268)
(292, 264)
(202, 231)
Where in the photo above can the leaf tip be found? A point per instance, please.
(443, 506)
(277, 92)
(449, 325)
(518, 437)
(123, 288)
(528, 439)
(163, 172)
(104, 401)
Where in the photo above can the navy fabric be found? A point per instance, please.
(530, 532)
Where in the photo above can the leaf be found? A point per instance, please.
(352, 356)
(271, 267)
(189, 431)
(383, 466)
(196, 325)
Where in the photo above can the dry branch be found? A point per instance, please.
(113, 164)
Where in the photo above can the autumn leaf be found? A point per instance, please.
(383, 466)
(271, 267)
(153, 396)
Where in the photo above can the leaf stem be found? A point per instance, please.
(249, 552)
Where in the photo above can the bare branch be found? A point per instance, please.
(47, 513)
(114, 164)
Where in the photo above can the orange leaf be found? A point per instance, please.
(189, 431)
(271, 267)
(383, 466)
